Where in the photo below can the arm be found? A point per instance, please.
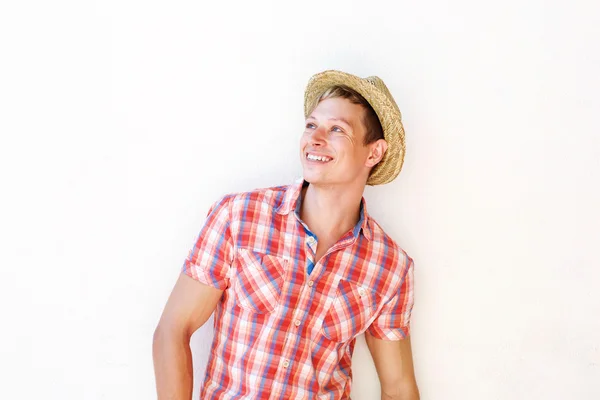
(394, 365)
(189, 306)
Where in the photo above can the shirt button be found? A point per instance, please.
(311, 240)
(310, 283)
(361, 291)
(286, 364)
(297, 322)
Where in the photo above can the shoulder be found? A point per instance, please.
(261, 200)
(394, 256)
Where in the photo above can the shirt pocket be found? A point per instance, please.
(259, 280)
(350, 312)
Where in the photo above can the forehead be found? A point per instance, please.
(341, 109)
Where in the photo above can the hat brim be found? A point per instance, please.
(379, 97)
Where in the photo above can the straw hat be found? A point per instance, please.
(379, 97)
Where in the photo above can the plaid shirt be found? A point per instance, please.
(282, 332)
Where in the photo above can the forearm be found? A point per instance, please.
(172, 365)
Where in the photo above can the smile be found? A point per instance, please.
(315, 157)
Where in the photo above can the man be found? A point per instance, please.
(295, 273)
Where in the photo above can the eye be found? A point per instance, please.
(310, 125)
(337, 129)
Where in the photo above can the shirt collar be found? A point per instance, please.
(290, 202)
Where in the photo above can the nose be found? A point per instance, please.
(318, 136)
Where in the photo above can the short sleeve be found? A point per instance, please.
(393, 322)
(210, 259)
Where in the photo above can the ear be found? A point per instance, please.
(376, 152)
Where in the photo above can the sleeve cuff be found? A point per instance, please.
(389, 333)
(203, 276)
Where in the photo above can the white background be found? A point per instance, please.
(122, 121)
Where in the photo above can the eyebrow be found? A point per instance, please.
(334, 119)
(341, 119)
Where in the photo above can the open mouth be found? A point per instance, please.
(318, 158)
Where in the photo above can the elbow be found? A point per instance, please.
(161, 331)
(158, 338)
(165, 333)
(158, 335)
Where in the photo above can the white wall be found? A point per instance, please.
(122, 121)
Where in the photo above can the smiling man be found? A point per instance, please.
(295, 273)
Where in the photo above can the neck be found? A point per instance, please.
(331, 211)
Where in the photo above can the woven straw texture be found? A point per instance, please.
(377, 94)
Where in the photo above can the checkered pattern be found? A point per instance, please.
(280, 332)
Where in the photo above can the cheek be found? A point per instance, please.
(348, 142)
(351, 150)
(302, 141)
(344, 144)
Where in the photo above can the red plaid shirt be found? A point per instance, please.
(280, 332)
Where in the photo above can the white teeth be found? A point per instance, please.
(318, 158)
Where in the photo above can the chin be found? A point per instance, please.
(316, 179)
(311, 177)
